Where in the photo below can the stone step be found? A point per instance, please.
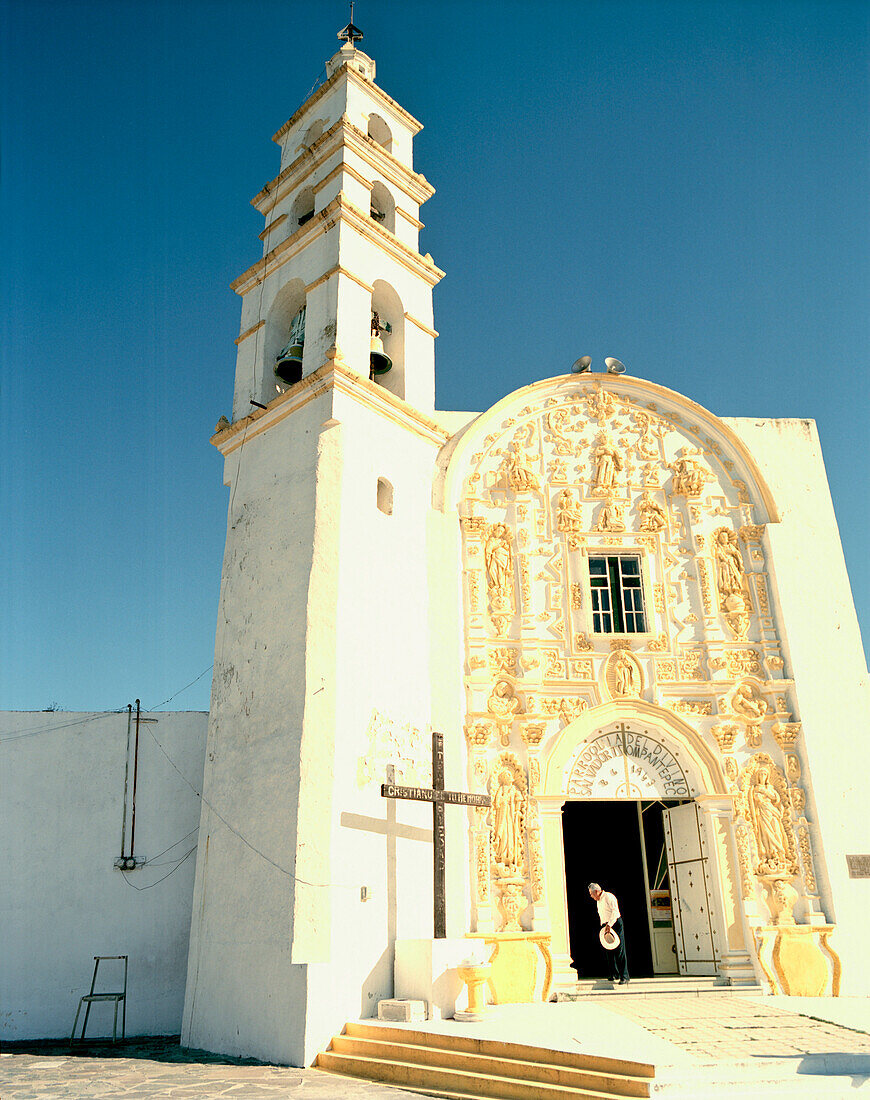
(469, 1044)
(438, 1078)
(459, 1066)
(597, 987)
(614, 1084)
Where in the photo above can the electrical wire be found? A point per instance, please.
(243, 839)
(165, 877)
(180, 690)
(171, 846)
(61, 726)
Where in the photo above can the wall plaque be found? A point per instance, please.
(859, 866)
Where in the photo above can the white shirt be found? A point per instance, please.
(608, 908)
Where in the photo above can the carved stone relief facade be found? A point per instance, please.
(587, 468)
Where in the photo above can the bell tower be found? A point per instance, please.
(326, 644)
(341, 269)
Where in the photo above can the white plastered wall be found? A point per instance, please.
(824, 655)
(62, 900)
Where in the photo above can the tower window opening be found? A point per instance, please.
(617, 595)
(379, 131)
(383, 206)
(303, 207)
(385, 496)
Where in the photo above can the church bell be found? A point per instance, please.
(288, 365)
(379, 361)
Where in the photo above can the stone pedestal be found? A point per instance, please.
(426, 970)
(521, 964)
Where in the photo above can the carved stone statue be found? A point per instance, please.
(498, 557)
(625, 677)
(502, 703)
(766, 810)
(729, 563)
(520, 476)
(688, 479)
(507, 823)
(569, 518)
(610, 518)
(652, 515)
(748, 704)
(608, 463)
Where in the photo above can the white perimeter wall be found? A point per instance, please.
(823, 653)
(62, 901)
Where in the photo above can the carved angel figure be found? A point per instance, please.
(498, 556)
(502, 703)
(729, 564)
(652, 515)
(608, 463)
(747, 704)
(507, 822)
(568, 516)
(521, 477)
(766, 814)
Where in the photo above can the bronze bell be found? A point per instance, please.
(288, 365)
(378, 358)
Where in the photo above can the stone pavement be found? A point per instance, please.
(155, 1069)
(714, 1027)
(681, 1033)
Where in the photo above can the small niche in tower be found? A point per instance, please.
(385, 496)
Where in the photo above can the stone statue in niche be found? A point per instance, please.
(729, 564)
(626, 680)
(569, 518)
(498, 556)
(766, 813)
(610, 517)
(623, 675)
(507, 823)
(608, 463)
(520, 476)
(652, 515)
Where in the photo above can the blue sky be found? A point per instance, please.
(681, 185)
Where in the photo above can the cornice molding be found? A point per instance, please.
(366, 85)
(340, 209)
(333, 375)
(343, 135)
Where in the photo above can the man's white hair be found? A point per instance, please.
(593, 887)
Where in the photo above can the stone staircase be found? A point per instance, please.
(597, 987)
(457, 1066)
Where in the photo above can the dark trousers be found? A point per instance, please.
(617, 958)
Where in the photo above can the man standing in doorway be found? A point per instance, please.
(611, 921)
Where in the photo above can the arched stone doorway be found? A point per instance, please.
(616, 762)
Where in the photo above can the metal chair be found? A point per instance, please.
(89, 998)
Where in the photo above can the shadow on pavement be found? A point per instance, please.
(154, 1048)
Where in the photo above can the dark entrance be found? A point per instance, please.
(603, 844)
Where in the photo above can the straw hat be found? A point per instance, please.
(608, 944)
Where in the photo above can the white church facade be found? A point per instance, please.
(629, 619)
(601, 593)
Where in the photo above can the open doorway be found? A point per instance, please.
(621, 845)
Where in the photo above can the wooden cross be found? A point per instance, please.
(439, 798)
